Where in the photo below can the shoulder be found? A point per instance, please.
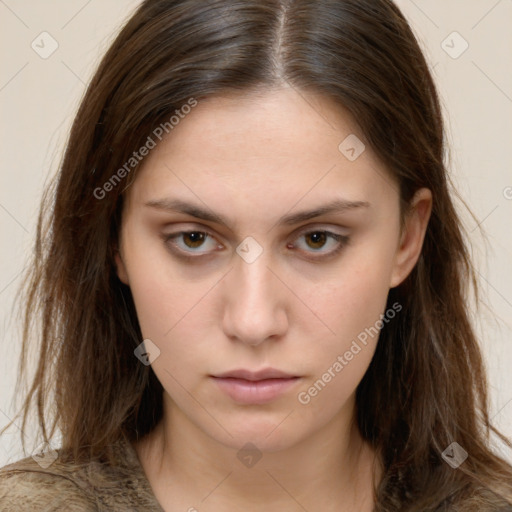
(26, 486)
(481, 500)
(116, 483)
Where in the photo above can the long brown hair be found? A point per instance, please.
(425, 387)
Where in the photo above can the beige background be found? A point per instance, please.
(38, 98)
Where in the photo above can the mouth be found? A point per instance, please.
(260, 387)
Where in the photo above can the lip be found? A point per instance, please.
(259, 387)
(265, 373)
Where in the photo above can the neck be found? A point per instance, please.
(333, 469)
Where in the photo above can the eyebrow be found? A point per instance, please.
(194, 210)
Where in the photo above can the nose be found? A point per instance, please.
(254, 302)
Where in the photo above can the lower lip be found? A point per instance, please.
(255, 392)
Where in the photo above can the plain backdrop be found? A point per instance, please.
(468, 44)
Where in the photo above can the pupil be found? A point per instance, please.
(195, 237)
(318, 237)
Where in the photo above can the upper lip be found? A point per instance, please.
(267, 373)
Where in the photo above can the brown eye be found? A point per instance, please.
(194, 239)
(318, 239)
(190, 240)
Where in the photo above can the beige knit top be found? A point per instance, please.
(26, 486)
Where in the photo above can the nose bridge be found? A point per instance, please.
(254, 308)
(254, 281)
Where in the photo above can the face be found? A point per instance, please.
(256, 284)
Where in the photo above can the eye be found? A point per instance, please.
(318, 239)
(191, 240)
(184, 243)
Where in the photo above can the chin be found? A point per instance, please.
(268, 434)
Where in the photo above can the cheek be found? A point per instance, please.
(174, 311)
(355, 299)
(352, 307)
(342, 359)
(162, 293)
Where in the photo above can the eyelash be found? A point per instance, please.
(342, 241)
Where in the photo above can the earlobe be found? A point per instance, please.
(120, 268)
(411, 242)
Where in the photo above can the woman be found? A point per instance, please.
(253, 281)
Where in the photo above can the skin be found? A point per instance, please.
(253, 158)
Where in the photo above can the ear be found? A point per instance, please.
(120, 267)
(413, 234)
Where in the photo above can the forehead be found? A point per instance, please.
(261, 150)
(280, 123)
